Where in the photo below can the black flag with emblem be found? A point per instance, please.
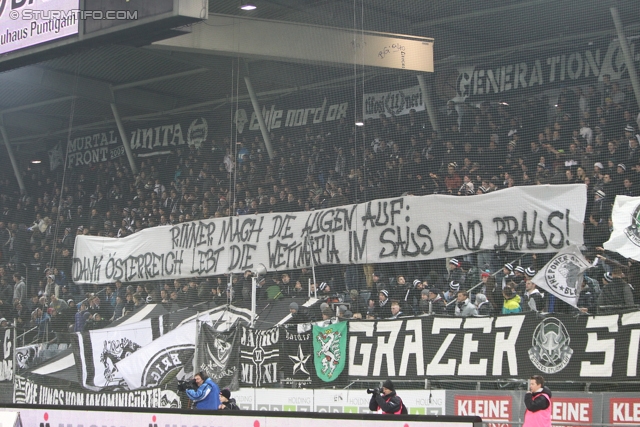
(296, 356)
(259, 356)
(218, 355)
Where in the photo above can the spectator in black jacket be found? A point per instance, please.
(483, 305)
(616, 293)
(226, 401)
(532, 299)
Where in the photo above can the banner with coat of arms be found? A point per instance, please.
(330, 350)
(217, 354)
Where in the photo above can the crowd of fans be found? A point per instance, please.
(590, 136)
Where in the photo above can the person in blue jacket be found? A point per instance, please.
(207, 396)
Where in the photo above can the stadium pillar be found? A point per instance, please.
(256, 108)
(125, 140)
(626, 52)
(428, 105)
(14, 164)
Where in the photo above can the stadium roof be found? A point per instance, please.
(36, 101)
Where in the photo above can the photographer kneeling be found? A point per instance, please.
(205, 394)
(388, 402)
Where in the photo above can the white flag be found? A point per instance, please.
(625, 238)
(562, 276)
(162, 359)
(99, 351)
(55, 157)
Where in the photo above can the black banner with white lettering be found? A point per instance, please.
(38, 390)
(6, 354)
(218, 356)
(296, 357)
(558, 347)
(259, 356)
(522, 72)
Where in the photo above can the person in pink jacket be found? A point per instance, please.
(538, 403)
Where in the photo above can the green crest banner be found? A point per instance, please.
(330, 350)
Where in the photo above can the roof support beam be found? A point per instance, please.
(36, 104)
(536, 44)
(478, 13)
(193, 107)
(33, 122)
(308, 44)
(158, 79)
(96, 90)
(14, 163)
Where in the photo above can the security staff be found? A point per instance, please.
(538, 403)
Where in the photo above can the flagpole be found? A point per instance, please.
(15, 358)
(481, 282)
(195, 353)
(253, 299)
(313, 265)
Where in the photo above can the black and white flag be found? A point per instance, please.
(6, 354)
(97, 352)
(562, 276)
(55, 157)
(259, 356)
(218, 355)
(297, 356)
(160, 361)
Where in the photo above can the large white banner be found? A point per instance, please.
(532, 219)
(392, 103)
(24, 24)
(625, 237)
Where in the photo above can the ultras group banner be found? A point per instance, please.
(558, 347)
(38, 390)
(521, 219)
(395, 103)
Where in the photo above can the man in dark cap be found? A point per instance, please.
(385, 400)
(226, 401)
(297, 315)
(383, 309)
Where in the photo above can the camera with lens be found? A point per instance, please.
(373, 391)
(186, 385)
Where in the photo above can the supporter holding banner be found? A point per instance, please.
(534, 219)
